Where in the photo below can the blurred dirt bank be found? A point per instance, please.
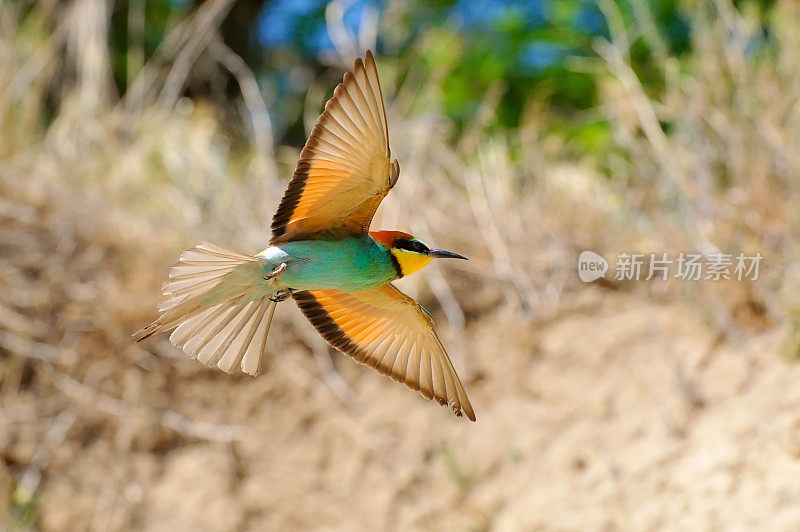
(589, 423)
(620, 411)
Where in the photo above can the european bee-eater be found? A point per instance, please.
(323, 255)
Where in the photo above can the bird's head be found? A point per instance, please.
(408, 252)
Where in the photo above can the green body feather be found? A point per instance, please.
(348, 264)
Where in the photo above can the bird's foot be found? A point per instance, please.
(284, 293)
(276, 272)
(281, 295)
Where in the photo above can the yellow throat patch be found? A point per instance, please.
(409, 261)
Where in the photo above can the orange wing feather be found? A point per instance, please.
(344, 169)
(388, 331)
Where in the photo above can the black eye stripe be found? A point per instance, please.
(411, 245)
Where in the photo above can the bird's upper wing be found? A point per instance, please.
(387, 330)
(344, 169)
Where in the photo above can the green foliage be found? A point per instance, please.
(159, 17)
(539, 51)
(540, 56)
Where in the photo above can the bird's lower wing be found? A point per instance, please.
(387, 330)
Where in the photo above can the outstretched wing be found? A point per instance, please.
(387, 330)
(344, 169)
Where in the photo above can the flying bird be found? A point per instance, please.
(322, 254)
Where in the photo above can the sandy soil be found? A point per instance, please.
(619, 413)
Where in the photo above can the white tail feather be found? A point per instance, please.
(219, 307)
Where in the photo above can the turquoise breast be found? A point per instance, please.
(348, 264)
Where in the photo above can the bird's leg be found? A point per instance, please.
(276, 272)
(281, 295)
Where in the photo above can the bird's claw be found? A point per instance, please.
(281, 295)
(276, 272)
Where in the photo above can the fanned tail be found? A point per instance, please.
(219, 307)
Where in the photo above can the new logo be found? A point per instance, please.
(591, 266)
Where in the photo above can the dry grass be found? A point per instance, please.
(635, 405)
(725, 176)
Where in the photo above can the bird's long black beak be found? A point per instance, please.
(442, 254)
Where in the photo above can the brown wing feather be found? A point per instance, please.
(344, 170)
(386, 330)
